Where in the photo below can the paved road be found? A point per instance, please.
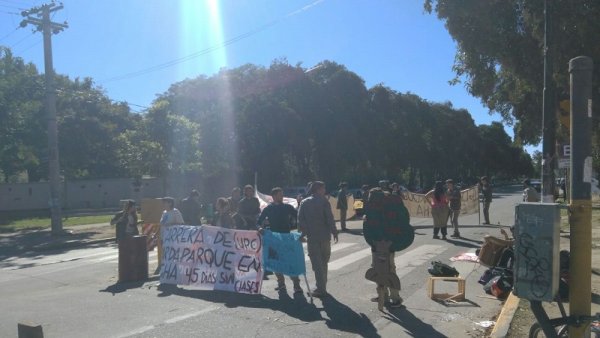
(75, 294)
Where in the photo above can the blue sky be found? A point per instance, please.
(384, 41)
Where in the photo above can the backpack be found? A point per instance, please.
(498, 286)
(440, 269)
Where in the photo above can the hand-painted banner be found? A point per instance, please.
(212, 258)
(336, 212)
(418, 207)
(283, 253)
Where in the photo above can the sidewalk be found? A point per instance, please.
(28, 242)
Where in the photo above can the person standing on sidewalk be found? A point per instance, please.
(249, 207)
(439, 209)
(486, 191)
(279, 217)
(315, 221)
(126, 221)
(342, 204)
(454, 199)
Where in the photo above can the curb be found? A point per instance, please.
(505, 317)
(69, 244)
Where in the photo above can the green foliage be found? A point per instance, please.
(283, 122)
(500, 54)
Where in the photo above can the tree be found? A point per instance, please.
(500, 58)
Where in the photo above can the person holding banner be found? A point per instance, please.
(315, 221)
(439, 209)
(279, 217)
(171, 215)
(249, 206)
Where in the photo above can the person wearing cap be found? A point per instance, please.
(486, 191)
(126, 221)
(315, 222)
(170, 216)
(529, 192)
(342, 204)
(454, 202)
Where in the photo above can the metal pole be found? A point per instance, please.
(53, 163)
(580, 288)
(549, 113)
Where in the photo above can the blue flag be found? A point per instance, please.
(283, 253)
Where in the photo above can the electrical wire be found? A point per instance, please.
(212, 48)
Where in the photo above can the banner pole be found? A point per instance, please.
(308, 288)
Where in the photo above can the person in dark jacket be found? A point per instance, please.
(126, 221)
(486, 191)
(249, 207)
(234, 199)
(342, 204)
(191, 208)
(279, 217)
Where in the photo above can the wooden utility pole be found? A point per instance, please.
(549, 110)
(40, 18)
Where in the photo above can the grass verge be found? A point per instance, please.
(44, 223)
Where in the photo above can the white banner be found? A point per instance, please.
(418, 207)
(212, 258)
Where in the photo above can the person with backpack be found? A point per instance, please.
(529, 192)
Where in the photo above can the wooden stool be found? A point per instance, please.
(459, 296)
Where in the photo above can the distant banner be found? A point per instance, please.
(212, 258)
(283, 253)
(418, 207)
(336, 212)
(265, 200)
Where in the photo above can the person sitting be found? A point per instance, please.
(529, 192)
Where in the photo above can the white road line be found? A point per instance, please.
(410, 260)
(340, 263)
(334, 248)
(168, 321)
(137, 331)
(190, 315)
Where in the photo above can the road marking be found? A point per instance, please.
(334, 248)
(190, 315)
(169, 321)
(342, 262)
(410, 260)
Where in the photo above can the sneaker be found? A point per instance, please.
(280, 288)
(455, 235)
(444, 237)
(436, 237)
(317, 294)
(397, 303)
(375, 299)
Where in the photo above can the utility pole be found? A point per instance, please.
(40, 18)
(580, 219)
(549, 111)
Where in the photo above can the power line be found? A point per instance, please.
(212, 48)
(23, 39)
(9, 34)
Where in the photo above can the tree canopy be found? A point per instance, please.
(499, 55)
(283, 122)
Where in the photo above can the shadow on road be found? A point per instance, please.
(297, 307)
(122, 287)
(343, 318)
(413, 325)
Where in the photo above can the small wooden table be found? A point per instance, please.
(459, 296)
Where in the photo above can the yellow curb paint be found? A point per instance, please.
(505, 317)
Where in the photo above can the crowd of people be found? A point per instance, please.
(313, 217)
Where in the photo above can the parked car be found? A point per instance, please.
(293, 192)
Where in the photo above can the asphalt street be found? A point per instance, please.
(75, 294)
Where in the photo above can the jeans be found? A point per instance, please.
(343, 218)
(319, 253)
(454, 219)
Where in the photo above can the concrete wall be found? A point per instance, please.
(85, 194)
